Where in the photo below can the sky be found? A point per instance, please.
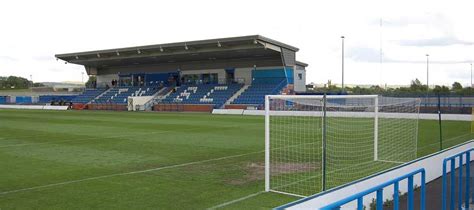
(32, 32)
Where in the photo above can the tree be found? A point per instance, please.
(91, 83)
(416, 83)
(376, 89)
(14, 82)
(37, 84)
(467, 91)
(441, 89)
(456, 86)
(416, 86)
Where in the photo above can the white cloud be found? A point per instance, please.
(33, 31)
(440, 41)
(7, 59)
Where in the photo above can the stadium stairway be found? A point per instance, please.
(158, 97)
(255, 93)
(237, 94)
(97, 97)
(203, 94)
(87, 96)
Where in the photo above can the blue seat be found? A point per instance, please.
(87, 96)
(255, 94)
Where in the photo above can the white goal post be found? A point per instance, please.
(312, 142)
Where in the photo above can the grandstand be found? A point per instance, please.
(234, 72)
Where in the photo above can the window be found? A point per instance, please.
(300, 76)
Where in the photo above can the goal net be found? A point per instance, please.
(313, 143)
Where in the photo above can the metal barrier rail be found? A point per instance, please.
(379, 193)
(452, 160)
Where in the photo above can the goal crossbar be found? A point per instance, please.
(267, 97)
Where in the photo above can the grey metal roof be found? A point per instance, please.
(182, 44)
(244, 47)
(299, 63)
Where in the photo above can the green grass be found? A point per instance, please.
(47, 148)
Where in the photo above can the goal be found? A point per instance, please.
(313, 142)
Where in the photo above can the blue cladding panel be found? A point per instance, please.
(23, 99)
(270, 73)
(290, 75)
(274, 73)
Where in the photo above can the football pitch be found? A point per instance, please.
(127, 160)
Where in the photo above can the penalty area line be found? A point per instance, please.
(126, 173)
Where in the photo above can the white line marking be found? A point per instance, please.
(236, 200)
(126, 173)
(286, 193)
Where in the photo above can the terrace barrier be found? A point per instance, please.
(379, 193)
(459, 184)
